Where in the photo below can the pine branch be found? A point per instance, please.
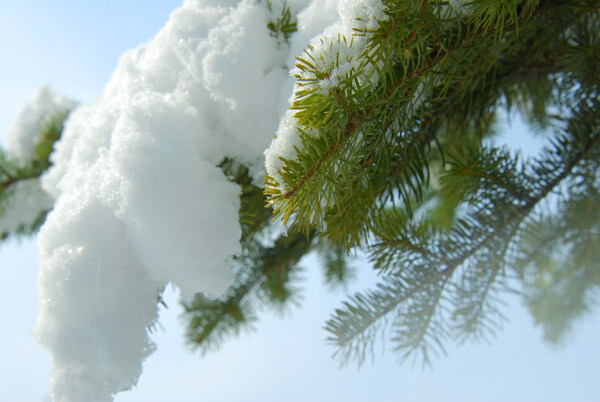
(262, 277)
(12, 179)
(320, 173)
(352, 328)
(264, 273)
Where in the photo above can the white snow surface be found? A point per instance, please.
(24, 132)
(139, 199)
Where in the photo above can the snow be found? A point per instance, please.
(24, 203)
(139, 201)
(25, 130)
(25, 200)
(335, 51)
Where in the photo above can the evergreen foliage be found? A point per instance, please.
(400, 168)
(375, 158)
(264, 271)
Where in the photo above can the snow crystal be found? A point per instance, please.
(25, 130)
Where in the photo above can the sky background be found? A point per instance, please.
(75, 46)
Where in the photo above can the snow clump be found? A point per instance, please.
(25, 202)
(24, 132)
(139, 199)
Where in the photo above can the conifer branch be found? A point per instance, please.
(498, 183)
(397, 87)
(262, 277)
(11, 180)
(350, 327)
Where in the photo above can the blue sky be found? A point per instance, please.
(75, 47)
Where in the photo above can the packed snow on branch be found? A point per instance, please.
(24, 132)
(25, 201)
(24, 204)
(139, 199)
(335, 50)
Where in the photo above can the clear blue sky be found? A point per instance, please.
(75, 46)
